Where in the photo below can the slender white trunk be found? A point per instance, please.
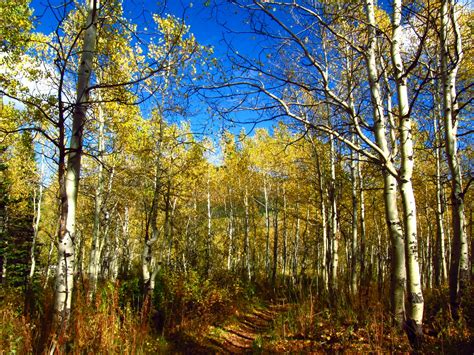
(415, 294)
(169, 228)
(362, 225)
(230, 233)
(64, 279)
(149, 268)
(355, 208)
(209, 224)
(275, 238)
(285, 235)
(267, 227)
(48, 263)
(390, 183)
(37, 219)
(247, 232)
(103, 242)
(440, 259)
(459, 270)
(94, 260)
(324, 223)
(333, 236)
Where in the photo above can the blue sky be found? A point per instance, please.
(203, 22)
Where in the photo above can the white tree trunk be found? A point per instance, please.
(247, 232)
(209, 225)
(94, 259)
(267, 228)
(415, 294)
(324, 222)
(275, 238)
(230, 233)
(362, 225)
(285, 235)
(355, 208)
(64, 279)
(390, 183)
(333, 235)
(37, 219)
(459, 270)
(440, 259)
(148, 259)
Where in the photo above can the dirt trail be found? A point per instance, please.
(244, 333)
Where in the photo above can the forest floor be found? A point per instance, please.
(281, 327)
(243, 332)
(269, 328)
(216, 320)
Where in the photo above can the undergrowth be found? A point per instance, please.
(115, 319)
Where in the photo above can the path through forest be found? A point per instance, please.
(241, 333)
(248, 330)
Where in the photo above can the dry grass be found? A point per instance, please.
(115, 321)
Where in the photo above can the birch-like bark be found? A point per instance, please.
(230, 251)
(333, 233)
(170, 227)
(415, 294)
(390, 183)
(324, 223)
(148, 258)
(459, 270)
(37, 219)
(167, 238)
(285, 235)
(247, 235)
(275, 240)
(209, 225)
(440, 259)
(94, 259)
(104, 247)
(267, 228)
(362, 225)
(64, 278)
(355, 208)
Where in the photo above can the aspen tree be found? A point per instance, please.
(246, 235)
(362, 224)
(459, 269)
(70, 184)
(230, 252)
(276, 211)
(354, 224)
(37, 218)
(333, 236)
(94, 259)
(415, 294)
(149, 267)
(440, 259)
(390, 181)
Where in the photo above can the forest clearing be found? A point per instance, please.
(236, 176)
